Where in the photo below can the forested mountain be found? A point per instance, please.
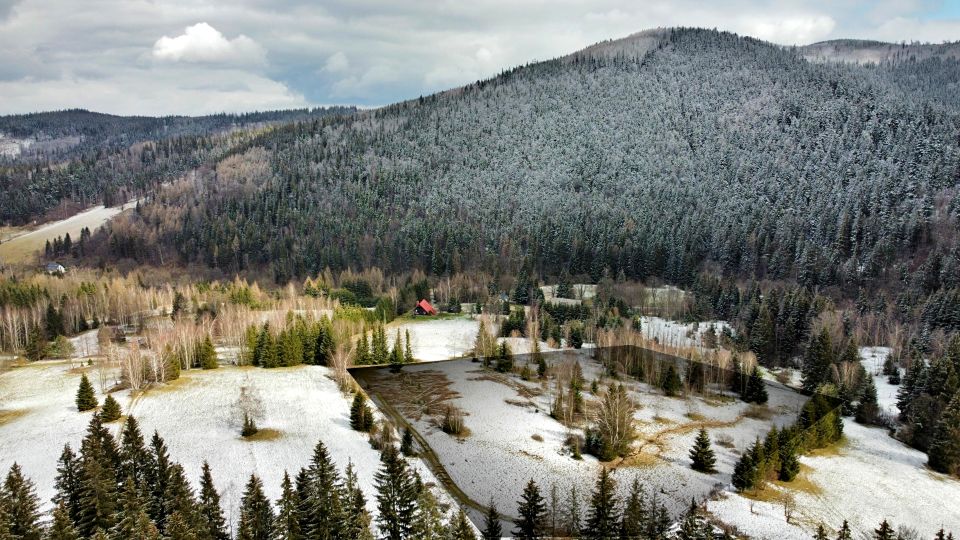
(659, 155)
(79, 158)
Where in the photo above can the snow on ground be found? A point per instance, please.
(38, 416)
(501, 452)
(197, 417)
(757, 519)
(85, 344)
(581, 291)
(437, 338)
(678, 334)
(872, 359)
(876, 477)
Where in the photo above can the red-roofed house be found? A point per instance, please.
(424, 308)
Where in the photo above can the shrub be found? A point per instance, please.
(111, 410)
(249, 427)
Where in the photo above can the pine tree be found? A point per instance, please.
(884, 532)
(67, 484)
(179, 502)
(533, 513)
(944, 452)
(21, 505)
(396, 495)
(206, 354)
(492, 529)
(256, 516)
(86, 398)
(361, 417)
(459, 528)
(844, 532)
(396, 354)
(287, 524)
(701, 455)
(406, 442)
(62, 527)
(213, 525)
(132, 521)
(158, 476)
(37, 346)
(744, 472)
(363, 350)
(324, 506)
(821, 533)
(573, 516)
(867, 408)
(817, 361)
(671, 381)
(134, 456)
(738, 381)
(110, 411)
(693, 526)
(602, 519)
(408, 350)
(97, 488)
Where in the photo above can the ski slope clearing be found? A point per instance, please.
(437, 338)
(23, 246)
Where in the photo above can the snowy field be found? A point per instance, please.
(678, 334)
(21, 247)
(197, 417)
(512, 438)
(437, 338)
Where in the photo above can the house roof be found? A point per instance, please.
(424, 305)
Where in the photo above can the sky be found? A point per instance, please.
(158, 57)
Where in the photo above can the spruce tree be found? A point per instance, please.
(207, 354)
(944, 452)
(821, 533)
(178, 501)
(256, 516)
(701, 455)
(460, 528)
(361, 417)
(693, 526)
(132, 521)
(134, 456)
(97, 488)
(324, 497)
(62, 526)
(396, 495)
(37, 346)
(428, 520)
(533, 513)
(573, 515)
(602, 519)
(110, 412)
(158, 476)
(406, 442)
(86, 398)
(408, 349)
(212, 522)
(287, 524)
(756, 391)
(844, 532)
(67, 484)
(21, 505)
(362, 356)
(670, 384)
(492, 529)
(357, 520)
(867, 408)
(884, 532)
(633, 522)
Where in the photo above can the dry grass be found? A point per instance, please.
(758, 412)
(9, 415)
(537, 437)
(266, 434)
(414, 395)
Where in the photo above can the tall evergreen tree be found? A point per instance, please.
(207, 354)
(325, 498)
(213, 525)
(492, 529)
(287, 524)
(396, 495)
(602, 518)
(97, 484)
(884, 532)
(179, 502)
(533, 513)
(460, 528)
(86, 397)
(868, 409)
(817, 361)
(428, 521)
(944, 453)
(573, 515)
(62, 526)
(361, 417)
(357, 521)
(701, 455)
(821, 533)
(132, 521)
(158, 476)
(110, 411)
(633, 522)
(756, 391)
(256, 516)
(21, 505)
(135, 459)
(844, 532)
(67, 484)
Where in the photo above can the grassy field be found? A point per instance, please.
(20, 245)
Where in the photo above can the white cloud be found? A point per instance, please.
(337, 63)
(789, 29)
(204, 43)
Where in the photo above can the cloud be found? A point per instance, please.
(204, 43)
(789, 30)
(337, 63)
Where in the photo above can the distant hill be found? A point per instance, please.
(864, 51)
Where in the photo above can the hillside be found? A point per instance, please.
(705, 149)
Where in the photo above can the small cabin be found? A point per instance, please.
(424, 308)
(54, 268)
